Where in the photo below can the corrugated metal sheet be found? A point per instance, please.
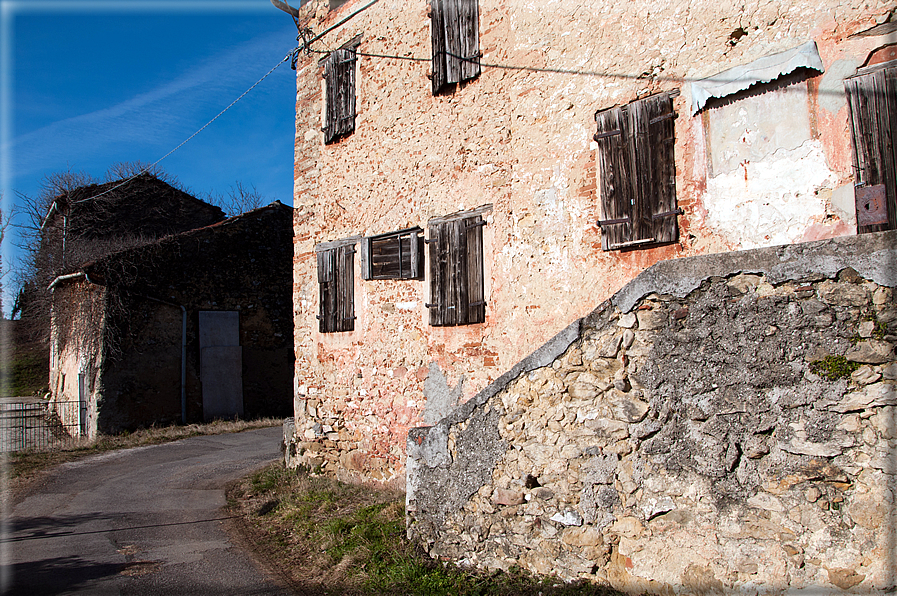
(762, 70)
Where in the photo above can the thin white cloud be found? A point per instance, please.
(163, 116)
(126, 6)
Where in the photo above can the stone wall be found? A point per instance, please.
(723, 423)
(520, 138)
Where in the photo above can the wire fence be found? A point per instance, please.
(39, 425)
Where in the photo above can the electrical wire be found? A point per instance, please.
(204, 126)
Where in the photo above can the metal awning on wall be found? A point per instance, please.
(762, 70)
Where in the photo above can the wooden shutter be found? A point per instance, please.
(657, 171)
(339, 74)
(455, 37)
(456, 272)
(872, 97)
(616, 181)
(336, 285)
(638, 173)
(397, 255)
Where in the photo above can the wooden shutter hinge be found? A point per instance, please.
(613, 222)
(604, 135)
(666, 214)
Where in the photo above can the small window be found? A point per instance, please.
(339, 75)
(336, 284)
(873, 112)
(397, 255)
(455, 32)
(456, 270)
(638, 173)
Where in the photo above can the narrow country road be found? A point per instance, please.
(139, 521)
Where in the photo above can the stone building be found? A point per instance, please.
(190, 327)
(473, 176)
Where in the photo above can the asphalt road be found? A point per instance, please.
(139, 521)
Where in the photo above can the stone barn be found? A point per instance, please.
(191, 327)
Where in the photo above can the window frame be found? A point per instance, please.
(336, 285)
(636, 160)
(455, 42)
(410, 268)
(457, 269)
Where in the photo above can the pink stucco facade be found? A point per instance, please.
(517, 142)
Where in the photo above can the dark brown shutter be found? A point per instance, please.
(398, 255)
(872, 98)
(439, 267)
(469, 25)
(657, 182)
(336, 284)
(438, 46)
(339, 74)
(476, 300)
(636, 157)
(616, 186)
(456, 272)
(455, 36)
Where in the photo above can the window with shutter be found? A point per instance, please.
(638, 173)
(457, 292)
(455, 32)
(397, 255)
(872, 97)
(336, 285)
(339, 77)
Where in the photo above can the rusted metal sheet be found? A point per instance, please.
(872, 209)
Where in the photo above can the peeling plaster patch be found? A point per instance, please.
(831, 88)
(772, 201)
(844, 204)
(441, 398)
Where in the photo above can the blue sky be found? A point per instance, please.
(88, 83)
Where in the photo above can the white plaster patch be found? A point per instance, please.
(406, 305)
(769, 202)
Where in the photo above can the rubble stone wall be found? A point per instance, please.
(723, 423)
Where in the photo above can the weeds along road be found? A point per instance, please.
(138, 521)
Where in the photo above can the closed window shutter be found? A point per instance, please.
(469, 24)
(872, 98)
(336, 275)
(398, 255)
(456, 272)
(658, 175)
(339, 74)
(638, 173)
(476, 299)
(440, 275)
(616, 184)
(455, 36)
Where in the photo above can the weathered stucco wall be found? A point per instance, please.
(519, 137)
(681, 437)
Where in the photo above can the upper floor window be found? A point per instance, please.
(339, 76)
(638, 173)
(455, 29)
(456, 270)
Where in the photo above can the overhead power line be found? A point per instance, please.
(202, 128)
